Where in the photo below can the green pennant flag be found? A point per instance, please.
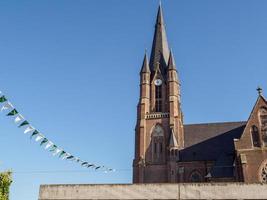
(70, 157)
(45, 140)
(24, 123)
(3, 99)
(34, 133)
(53, 148)
(12, 112)
(62, 153)
(84, 163)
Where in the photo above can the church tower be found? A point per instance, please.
(159, 131)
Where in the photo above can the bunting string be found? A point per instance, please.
(55, 150)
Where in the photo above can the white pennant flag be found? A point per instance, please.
(29, 129)
(49, 144)
(65, 156)
(56, 152)
(6, 106)
(18, 118)
(38, 138)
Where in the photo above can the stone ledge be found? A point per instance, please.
(153, 191)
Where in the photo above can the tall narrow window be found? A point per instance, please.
(263, 124)
(160, 147)
(158, 104)
(255, 136)
(155, 147)
(157, 142)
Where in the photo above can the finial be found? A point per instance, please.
(259, 89)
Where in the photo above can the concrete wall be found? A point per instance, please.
(154, 191)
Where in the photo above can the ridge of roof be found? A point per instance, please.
(217, 123)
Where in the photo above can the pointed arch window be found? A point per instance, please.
(255, 136)
(157, 143)
(195, 176)
(158, 95)
(263, 124)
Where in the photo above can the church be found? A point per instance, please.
(169, 151)
(227, 160)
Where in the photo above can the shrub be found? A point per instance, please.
(5, 181)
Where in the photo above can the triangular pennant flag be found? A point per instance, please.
(28, 129)
(84, 163)
(45, 140)
(35, 132)
(53, 148)
(12, 112)
(18, 118)
(25, 122)
(56, 152)
(6, 106)
(49, 144)
(90, 165)
(65, 156)
(62, 153)
(3, 99)
(39, 137)
(70, 157)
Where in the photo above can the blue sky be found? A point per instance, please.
(71, 68)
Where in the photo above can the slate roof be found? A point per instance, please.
(171, 62)
(212, 142)
(160, 49)
(145, 66)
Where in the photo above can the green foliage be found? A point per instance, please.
(5, 181)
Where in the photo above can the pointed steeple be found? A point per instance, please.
(173, 144)
(160, 49)
(160, 15)
(171, 62)
(145, 66)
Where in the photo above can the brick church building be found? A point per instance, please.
(168, 151)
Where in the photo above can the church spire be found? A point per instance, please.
(171, 62)
(160, 49)
(145, 66)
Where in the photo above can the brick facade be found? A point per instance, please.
(167, 151)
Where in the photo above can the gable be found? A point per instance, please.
(255, 122)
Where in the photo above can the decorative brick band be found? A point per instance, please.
(157, 115)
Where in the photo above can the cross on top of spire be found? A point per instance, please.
(259, 89)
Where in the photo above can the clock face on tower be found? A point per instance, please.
(158, 82)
